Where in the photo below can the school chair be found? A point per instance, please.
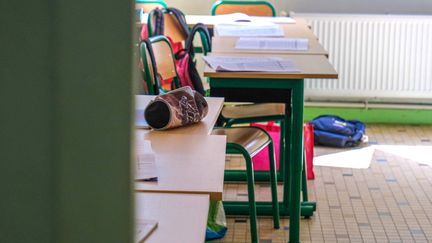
(177, 30)
(149, 5)
(244, 141)
(251, 8)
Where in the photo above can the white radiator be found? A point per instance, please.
(378, 57)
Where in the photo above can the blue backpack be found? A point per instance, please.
(334, 131)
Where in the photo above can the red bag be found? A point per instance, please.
(261, 162)
(308, 137)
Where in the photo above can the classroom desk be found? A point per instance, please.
(186, 163)
(181, 217)
(227, 45)
(202, 128)
(276, 87)
(181, 152)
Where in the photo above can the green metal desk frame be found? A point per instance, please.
(291, 204)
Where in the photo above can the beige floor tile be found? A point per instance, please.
(388, 202)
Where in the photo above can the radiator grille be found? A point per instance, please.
(377, 57)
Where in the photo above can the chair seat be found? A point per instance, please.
(253, 139)
(253, 110)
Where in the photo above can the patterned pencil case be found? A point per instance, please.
(176, 108)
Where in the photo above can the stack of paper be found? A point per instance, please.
(249, 29)
(295, 44)
(145, 168)
(250, 64)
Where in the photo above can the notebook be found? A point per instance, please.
(144, 228)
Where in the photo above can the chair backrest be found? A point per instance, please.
(149, 5)
(164, 61)
(148, 62)
(251, 8)
(172, 27)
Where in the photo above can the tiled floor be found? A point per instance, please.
(391, 201)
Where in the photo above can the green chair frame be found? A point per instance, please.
(221, 2)
(160, 2)
(234, 148)
(147, 71)
(239, 175)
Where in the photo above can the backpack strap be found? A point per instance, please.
(205, 38)
(179, 15)
(159, 21)
(148, 46)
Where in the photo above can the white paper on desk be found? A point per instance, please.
(250, 29)
(145, 168)
(277, 20)
(250, 64)
(294, 44)
(229, 18)
(143, 228)
(239, 17)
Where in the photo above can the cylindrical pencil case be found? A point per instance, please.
(176, 108)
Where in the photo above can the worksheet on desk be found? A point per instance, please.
(250, 29)
(293, 44)
(241, 17)
(250, 64)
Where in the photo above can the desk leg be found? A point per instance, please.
(296, 162)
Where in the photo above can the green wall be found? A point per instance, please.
(65, 122)
(374, 115)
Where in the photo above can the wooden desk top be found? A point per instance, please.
(227, 45)
(311, 66)
(181, 217)
(297, 30)
(201, 128)
(186, 163)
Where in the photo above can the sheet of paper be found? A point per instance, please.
(145, 168)
(295, 44)
(248, 29)
(237, 17)
(250, 64)
(144, 227)
(140, 121)
(277, 20)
